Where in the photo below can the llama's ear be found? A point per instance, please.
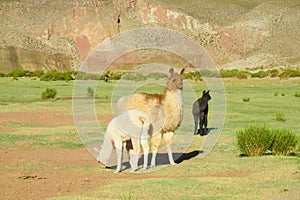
(203, 92)
(181, 72)
(171, 71)
(207, 92)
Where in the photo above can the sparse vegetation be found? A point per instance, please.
(279, 116)
(90, 93)
(49, 93)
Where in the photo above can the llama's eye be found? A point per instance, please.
(174, 80)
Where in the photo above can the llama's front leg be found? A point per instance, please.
(205, 125)
(145, 146)
(168, 140)
(155, 140)
(201, 123)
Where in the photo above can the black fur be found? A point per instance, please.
(200, 111)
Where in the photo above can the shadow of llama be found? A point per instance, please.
(200, 112)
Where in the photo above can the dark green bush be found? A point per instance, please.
(54, 75)
(254, 141)
(297, 94)
(273, 72)
(20, 73)
(246, 99)
(284, 142)
(242, 75)
(2, 74)
(49, 93)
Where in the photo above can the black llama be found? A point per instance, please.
(200, 111)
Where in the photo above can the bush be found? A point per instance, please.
(116, 76)
(254, 141)
(284, 141)
(246, 99)
(279, 116)
(228, 73)
(273, 72)
(242, 75)
(297, 94)
(49, 93)
(276, 94)
(289, 73)
(20, 73)
(54, 75)
(90, 92)
(2, 74)
(196, 76)
(260, 74)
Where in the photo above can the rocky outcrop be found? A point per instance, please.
(52, 34)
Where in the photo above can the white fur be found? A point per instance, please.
(131, 125)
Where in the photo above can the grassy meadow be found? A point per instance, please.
(223, 174)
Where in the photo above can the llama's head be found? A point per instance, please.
(175, 80)
(206, 96)
(102, 155)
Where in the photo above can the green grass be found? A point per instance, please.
(223, 174)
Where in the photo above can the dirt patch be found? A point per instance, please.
(41, 118)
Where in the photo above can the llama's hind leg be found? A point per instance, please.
(168, 140)
(201, 123)
(145, 146)
(155, 140)
(119, 152)
(196, 119)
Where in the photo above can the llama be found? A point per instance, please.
(171, 103)
(200, 110)
(131, 126)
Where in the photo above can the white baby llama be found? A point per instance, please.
(131, 125)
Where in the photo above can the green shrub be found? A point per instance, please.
(297, 94)
(20, 73)
(289, 73)
(284, 141)
(276, 94)
(90, 92)
(228, 73)
(279, 116)
(260, 74)
(116, 76)
(49, 93)
(2, 74)
(273, 72)
(254, 141)
(54, 75)
(242, 75)
(196, 76)
(246, 99)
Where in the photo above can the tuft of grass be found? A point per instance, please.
(246, 99)
(129, 196)
(90, 93)
(49, 93)
(279, 116)
(254, 140)
(297, 94)
(284, 142)
(276, 94)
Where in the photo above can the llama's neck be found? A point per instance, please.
(174, 107)
(105, 150)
